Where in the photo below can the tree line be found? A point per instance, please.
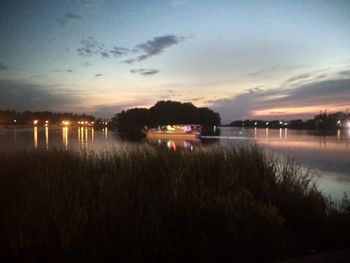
(322, 121)
(27, 117)
(133, 121)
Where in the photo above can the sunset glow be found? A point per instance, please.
(295, 111)
(94, 57)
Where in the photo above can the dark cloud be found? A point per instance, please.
(317, 93)
(67, 18)
(98, 75)
(345, 72)
(157, 46)
(90, 47)
(18, 95)
(129, 61)
(63, 71)
(3, 66)
(145, 72)
(119, 51)
(104, 54)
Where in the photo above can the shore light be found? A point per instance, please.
(255, 123)
(35, 122)
(267, 123)
(65, 123)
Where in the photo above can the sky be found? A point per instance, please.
(244, 59)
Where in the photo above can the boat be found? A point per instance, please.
(177, 131)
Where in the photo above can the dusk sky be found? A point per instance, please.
(244, 59)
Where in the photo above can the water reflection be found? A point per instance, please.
(329, 153)
(46, 137)
(92, 135)
(15, 136)
(105, 132)
(35, 134)
(174, 144)
(65, 137)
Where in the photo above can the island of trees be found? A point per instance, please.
(133, 121)
(322, 121)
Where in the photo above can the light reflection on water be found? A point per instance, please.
(328, 156)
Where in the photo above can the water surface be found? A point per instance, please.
(326, 156)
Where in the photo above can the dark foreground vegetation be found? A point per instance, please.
(154, 205)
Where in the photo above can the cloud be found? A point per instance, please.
(91, 47)
(300, 101)
(298, 77)
(157, 46)
(275, 68)
(98, 75)
(255, 89)
(345, 72)
(104, 54)
(119, 51)
(63, 71)
(19, 95)
(86, 64)
(144, 72)
(67, 18)
(3, 66)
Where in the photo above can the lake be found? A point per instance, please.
(328, 157)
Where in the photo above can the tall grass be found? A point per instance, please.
(145, 204)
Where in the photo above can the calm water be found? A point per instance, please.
(327, 156)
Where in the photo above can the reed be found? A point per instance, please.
(151, 204)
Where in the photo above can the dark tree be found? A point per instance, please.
(164, 113)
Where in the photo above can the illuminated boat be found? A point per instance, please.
(178, 131)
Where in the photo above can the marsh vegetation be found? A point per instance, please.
(151, 204)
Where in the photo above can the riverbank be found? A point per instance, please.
(212, 205)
